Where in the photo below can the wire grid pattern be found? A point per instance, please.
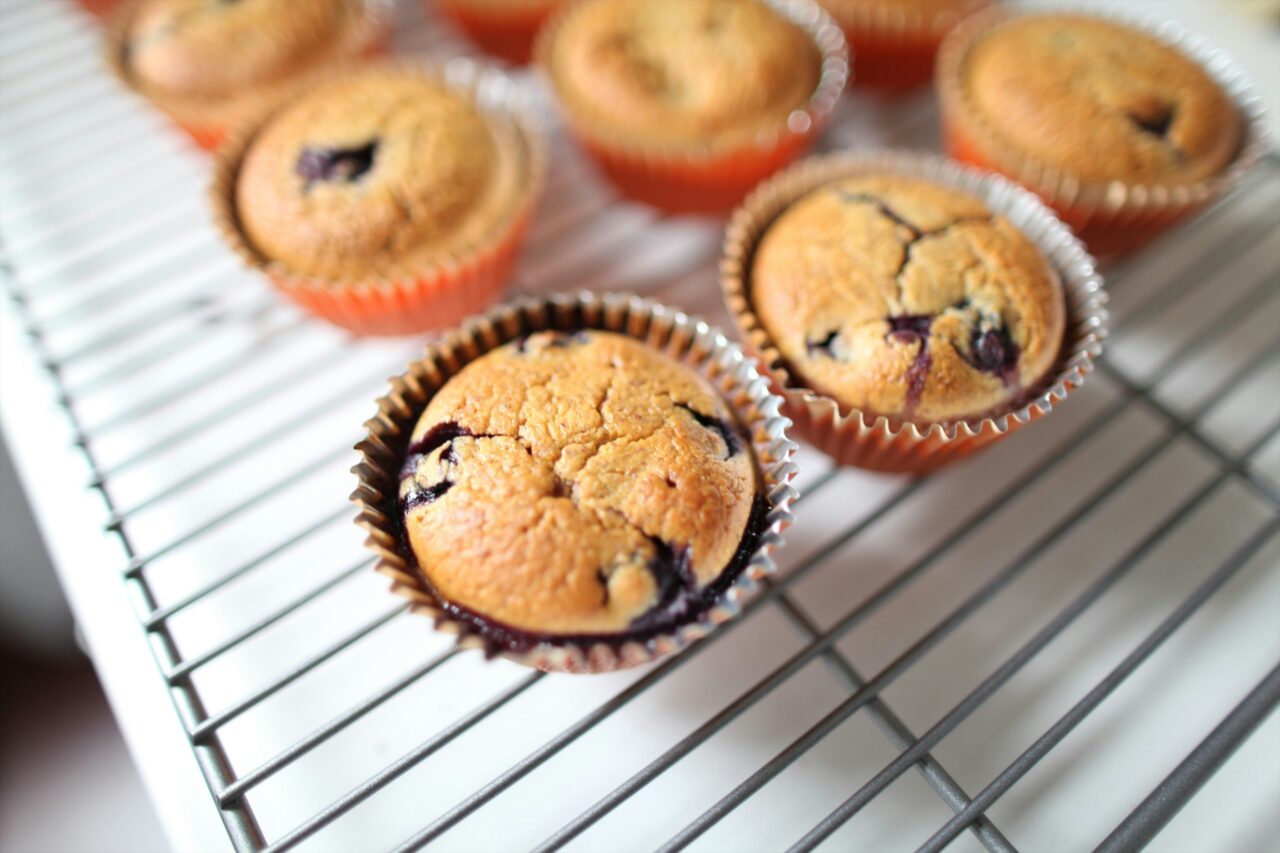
(218, 423)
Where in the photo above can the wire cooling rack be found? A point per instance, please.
(1053, 645)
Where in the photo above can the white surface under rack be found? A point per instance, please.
(1035, 639)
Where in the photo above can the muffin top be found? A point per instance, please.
(578, 484)
(1100, 101)
(376, 173)
(906, 299)
(214, 47)
(682, 72)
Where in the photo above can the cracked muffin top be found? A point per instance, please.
(215, 47)
(683, 72)
(906, 299)
(375, 173)
(578, 485)
(1099, 101)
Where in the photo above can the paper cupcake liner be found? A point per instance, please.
(687, 339)
(1114, 216)
(707, 178)
(446, 289)
(855, 438)
(893, 47)
(505, 29)
(209, 121)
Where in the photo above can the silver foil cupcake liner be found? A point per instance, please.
(688, 340)
(1131, 212)
(849, 435)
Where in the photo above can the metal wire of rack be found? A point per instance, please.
(976, 619)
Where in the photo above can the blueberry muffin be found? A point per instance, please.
(374, 174)
(1101, 102)
(902, 298)
(578, 487)
(688, 104)
(683, 72)
(213, 63)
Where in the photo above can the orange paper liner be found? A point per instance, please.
(504, 29)
(444, 290)
(892, 48)
(707, 178)
(99, 8)
(688, 340)
(853, 437)
(1109, 217)
(210, 121)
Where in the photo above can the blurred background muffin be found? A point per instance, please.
(1120, 130)
(686, 104)
(212, 65)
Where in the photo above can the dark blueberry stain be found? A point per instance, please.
(604, 585)
(687, 603)
(917, 373)
(1156, 121)
(672, 572)
(438, 436)
(910, 329)
(557, 340)
(561, 489)
(717, 425)
(425, 496)
(823, 346)
(345, 165)
(993, 351)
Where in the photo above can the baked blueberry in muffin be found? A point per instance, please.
(578, 487)
(902, 298)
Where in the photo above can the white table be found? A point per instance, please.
(201, 531)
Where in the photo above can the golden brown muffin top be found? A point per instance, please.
(215, 47)
(682, 72)
(1100, 101)
(906, 299)
(376, 173)
(577, 484)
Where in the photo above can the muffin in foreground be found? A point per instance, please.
(910, 310)
(212, 65)
(577, 498)
(388, 199)
(893, 42)
(1119, 130)
(686, 104)
(505, 28)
